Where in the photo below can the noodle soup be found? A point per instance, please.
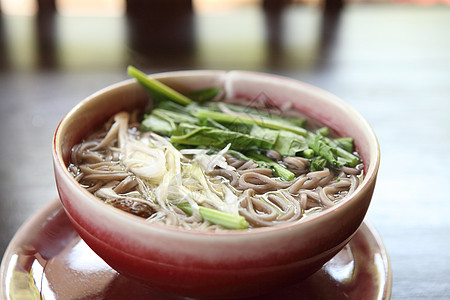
(210, 163)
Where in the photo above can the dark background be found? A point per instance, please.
(391, 61)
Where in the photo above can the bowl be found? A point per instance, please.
(227, 264)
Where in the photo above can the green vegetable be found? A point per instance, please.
(212, 123)
(266, 134)
(238, 154)
(157, 87)
(289, 143)
(321, 148)
(258, 120)
(318, 164)
(164, 121)
(158, 125)
(175, 117)
(188, 134)
(344, 157)
(332, 152)
(216, 216)
(204, 94)
(264, 161)
(220, 106)
(242, 128)
(346, 143)
(307, 153)
(324, 131)
(279, 170)
(175, 107)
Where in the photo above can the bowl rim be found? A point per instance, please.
(369, 175)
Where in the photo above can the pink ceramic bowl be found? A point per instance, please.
(205, 264)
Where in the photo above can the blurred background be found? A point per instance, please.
(388, 59)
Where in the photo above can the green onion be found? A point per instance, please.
(307, 153)
(277, 168)
(318, 164)
(324, 131)
(344, 156)
(346, 143)
(157, 87)
(216, 216)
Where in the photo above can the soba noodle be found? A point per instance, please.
(142, 173)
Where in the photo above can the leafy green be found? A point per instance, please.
(188, 134)
(321, 148)
(175, 117)
(264, 133)
(158, 125)
(289, 143)
(165, 122)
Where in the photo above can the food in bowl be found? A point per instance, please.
(220, 263)
(201, 161)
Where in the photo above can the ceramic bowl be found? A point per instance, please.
(221, 264)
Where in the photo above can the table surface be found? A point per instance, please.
(389, 61)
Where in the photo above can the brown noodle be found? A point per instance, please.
(264, 200)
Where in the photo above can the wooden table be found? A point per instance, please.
(390, 61)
